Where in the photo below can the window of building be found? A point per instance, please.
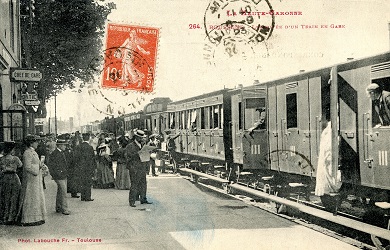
(12, 24)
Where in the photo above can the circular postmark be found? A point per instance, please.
(237, 50)
(252, 18)
(238, 40)
(236, 32)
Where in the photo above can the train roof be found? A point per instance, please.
(218, 92)
(355, 63)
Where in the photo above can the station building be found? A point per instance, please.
(12, 112)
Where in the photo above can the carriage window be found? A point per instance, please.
(186, 119)
(211, 124)
(221, 116)
(193, 120)
(171, 120)
(255, 113)
(216, 116)
(240, 115)
(181, 119)
(202, 118)
(292, 110)
(380, 111)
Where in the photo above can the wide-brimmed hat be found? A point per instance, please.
(61, 142)
(140, 133)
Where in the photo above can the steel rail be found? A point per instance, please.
(341, 220)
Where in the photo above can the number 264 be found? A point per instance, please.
(194, 26)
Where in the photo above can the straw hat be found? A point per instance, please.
(140, 133)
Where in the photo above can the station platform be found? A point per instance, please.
(183, 216)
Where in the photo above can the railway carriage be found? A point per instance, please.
(133, 120)
(155, 115)
(203, 123)
(288, 144)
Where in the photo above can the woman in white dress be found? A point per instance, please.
(32, 207)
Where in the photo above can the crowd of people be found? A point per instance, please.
(77, 163)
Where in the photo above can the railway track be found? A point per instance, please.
(344, 226)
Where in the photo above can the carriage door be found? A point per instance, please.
(300, 146)
(255, 138)
(379, 155)
(237, 125)
(351, 87)
(273, 129)
(289, 132)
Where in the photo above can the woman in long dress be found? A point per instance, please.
(105, 172)
(122, 179)
(33, 209)
(9, 185)
(326, 180)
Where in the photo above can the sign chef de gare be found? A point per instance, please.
(25, 75)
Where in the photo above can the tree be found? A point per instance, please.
(63, 38)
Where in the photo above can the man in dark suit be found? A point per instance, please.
(85, 159)
(58, 166)
(137, 165)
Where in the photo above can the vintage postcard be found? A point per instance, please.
(250, 103)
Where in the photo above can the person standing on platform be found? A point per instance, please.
(137, 165)
(105, 175)
(154, 142)
(171, 147)
(32, 209)
(122, 180)
(58, 166)
(85, 158)
(42, 152)
(9, 184)
(73, 185)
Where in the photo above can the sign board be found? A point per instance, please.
(39, 121)
(32, 102)
(24, 75)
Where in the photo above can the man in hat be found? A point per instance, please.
(137, 168)
(58, 167)
(381, 103)
(85, 158)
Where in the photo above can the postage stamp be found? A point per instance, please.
(130, 57)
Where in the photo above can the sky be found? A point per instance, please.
(184, 69)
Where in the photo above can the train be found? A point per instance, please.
(219, 130)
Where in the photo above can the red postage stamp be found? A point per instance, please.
(130, 57)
